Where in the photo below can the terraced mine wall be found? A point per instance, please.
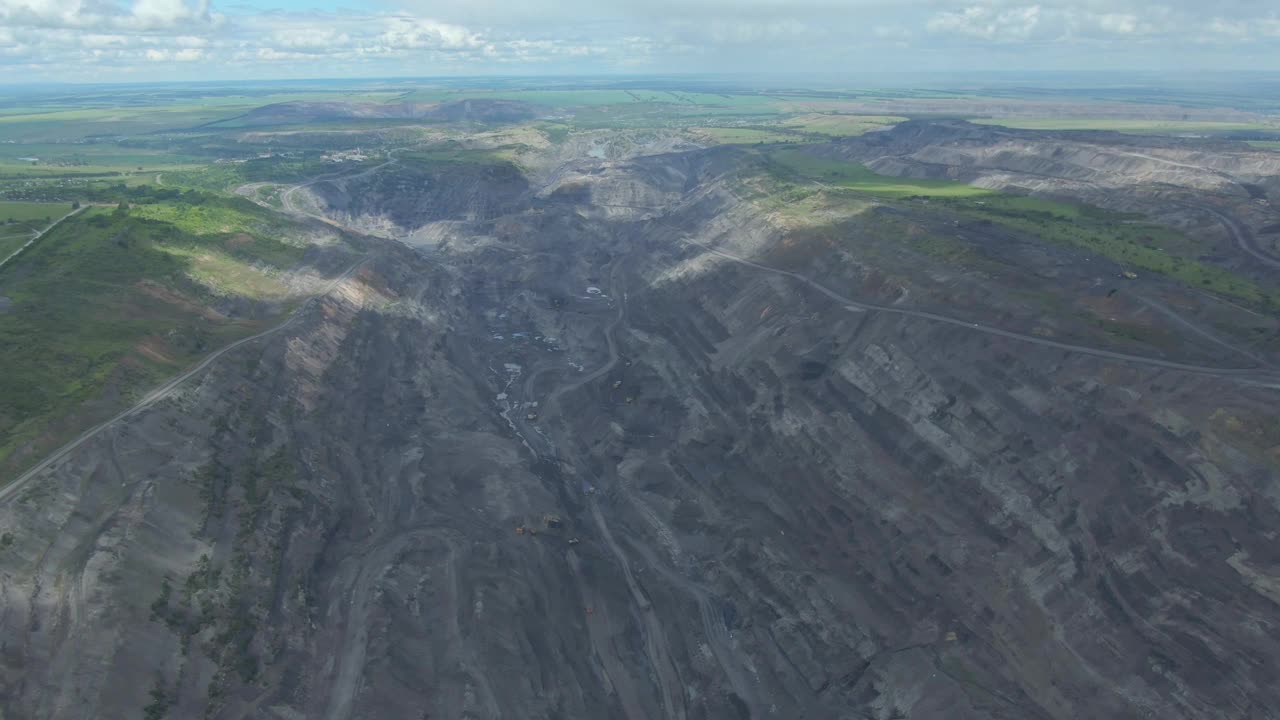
(465, 485)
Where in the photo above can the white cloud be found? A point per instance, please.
(1119, 23)
(419, 33)
(99, 40)
(1229, 28)
(890, 32)
(987, 23)
(743, 32)
(184, 55)
(1242, 30)
(160, 14)
(68, 38)
(1065, 23)
(45, 13)
(310, 38)
(101, 15)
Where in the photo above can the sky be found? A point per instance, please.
(164, 40)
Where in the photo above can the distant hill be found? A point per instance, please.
(478, 110)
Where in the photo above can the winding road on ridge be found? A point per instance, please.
(1254, 375)
(1242, 237)
(8, 491)
(39, 235)
(289, 202)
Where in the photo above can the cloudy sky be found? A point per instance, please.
(138, 40)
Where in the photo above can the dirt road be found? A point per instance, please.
(9, 491)
(290, 202)
(1242, 237)
(39, 235)
(1255, 375)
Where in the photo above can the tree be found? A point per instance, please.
(75, 205)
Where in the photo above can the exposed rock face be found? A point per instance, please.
(772, 505)
(410, 196)
(1066, 162)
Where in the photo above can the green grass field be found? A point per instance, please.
(222, 178)
(73, 125)
(11, 240)
(211, 216)
(19, 221)
(18, 171)
(101, 154)
(37, 214)
(796, 165)
(834, 125)
(1265, 144)
(11, 243)
(84, 159)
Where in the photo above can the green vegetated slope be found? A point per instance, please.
(1126, 239)
(20, 221)
(796, 166)
(280, 169)
(839, 124)
(453, 155)
(809, 127)
(112, 301)
(743, 136)
(601, 108)
(10, 242)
